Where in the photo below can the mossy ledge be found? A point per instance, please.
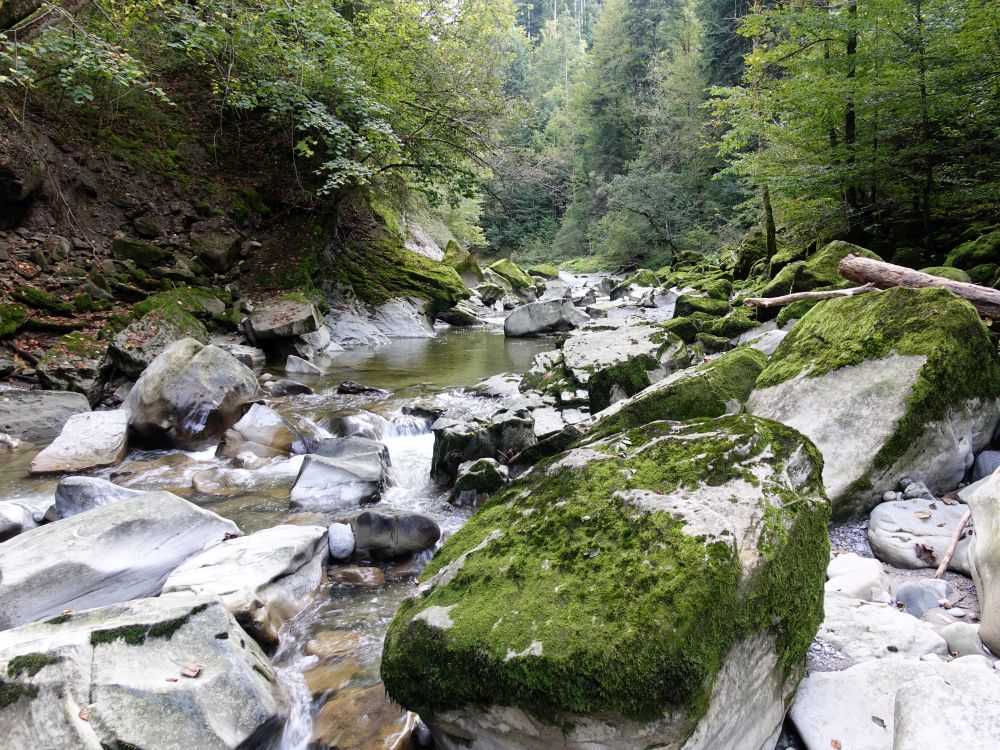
(631, 615)
(30, 664)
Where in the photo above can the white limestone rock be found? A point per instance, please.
(87, 441)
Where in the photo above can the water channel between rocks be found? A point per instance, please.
(409, 369)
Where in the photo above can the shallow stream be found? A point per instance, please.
(349, 705)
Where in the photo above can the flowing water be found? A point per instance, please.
(340, 692)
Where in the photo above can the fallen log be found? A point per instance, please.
(886, 275)
(23, 20)
(788, 299)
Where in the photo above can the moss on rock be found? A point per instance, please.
(946, 272)
(544, 271)
(983, 249)
(133, 348)
(621, 380)
(513, 274)
(463, 262)
(580, 589)
(76, 362)
(200, 303)
(819, 271)
(739, 321)
(12, 317)
(711, 389)
(688, 304)
(143, 254)
(962, 362)
(42, 300)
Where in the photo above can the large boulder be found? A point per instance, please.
(385, 536)
(138, 344)
(984, 502)
(262, 431)
(719, 386)
(215, 244)
(819, 271)
(111, 554)
(284, 317)
(537, 318)
(464, 262)
(190, 395)
(900, 705)
(975, 252)
(76, 362)
(264, 578)
(404, 318)
(38, 416)
(477, 480)
(343, 473)
(616, 363)
(514, 275)
(904, 382)
(17, 516)
(152, 673)
(657, 594)
(87, 441)
(916, 533)
(75, 495)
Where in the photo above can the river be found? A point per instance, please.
(412, 371)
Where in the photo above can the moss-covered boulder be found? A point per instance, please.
(513, 274)
(712, 389)
(819, 271)
(544, 271)
(39, 299)
(983, 249)
(490, 294)
(660, 587)
(904, 382)
(636, 284)
(139, 343)
(688, 304)
(739, 321)
(947, 272)
(76, 362)
(143, 254)
(984, 273)
(197, 302)
(12, 317)
(464, 263)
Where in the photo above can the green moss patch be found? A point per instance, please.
(197, 302)
(136, 635)
(946, 272)
(143, 254)
(30, 664)
(688, 304)
(819, 271)
(573, 599)
(42, 300)
(620, 380)
(983, 249)
(962, 362)
(12, 317)
(12, 692)
(513, 274)
(708, 390)
(544, 271)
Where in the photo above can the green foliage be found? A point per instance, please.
(12, 317)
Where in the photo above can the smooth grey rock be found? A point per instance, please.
(283, 318)
(75, 495)
(263, 432)
(251, 356)
(340, 539)
(115, 676)
(537, 318)
(983, 499)
(855, 576)
(871, 707)
(38, 416)
(87, 441)
(295, 365)
(863, 631)
(897, 534)
(190, 395)
(351, 326)
(111, 554)
(768, 342)
(403, 318)
(264, 578)
(389, 536)
(916, 597)
(985, 464)
(338, 483)
(963, 639)
(18, 516)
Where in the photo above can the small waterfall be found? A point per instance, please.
(405, 424)
(299, 727)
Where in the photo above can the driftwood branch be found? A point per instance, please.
(953, 544)
(788, 299)
(886, 275)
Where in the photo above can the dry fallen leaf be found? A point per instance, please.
(171, 679)
(192, 671)
(835, 744)
(85, 713)
(932, 506)
(878, 720)
(924, 553)
(922, 514)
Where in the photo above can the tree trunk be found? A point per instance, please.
(886, 275)
(13, 12)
